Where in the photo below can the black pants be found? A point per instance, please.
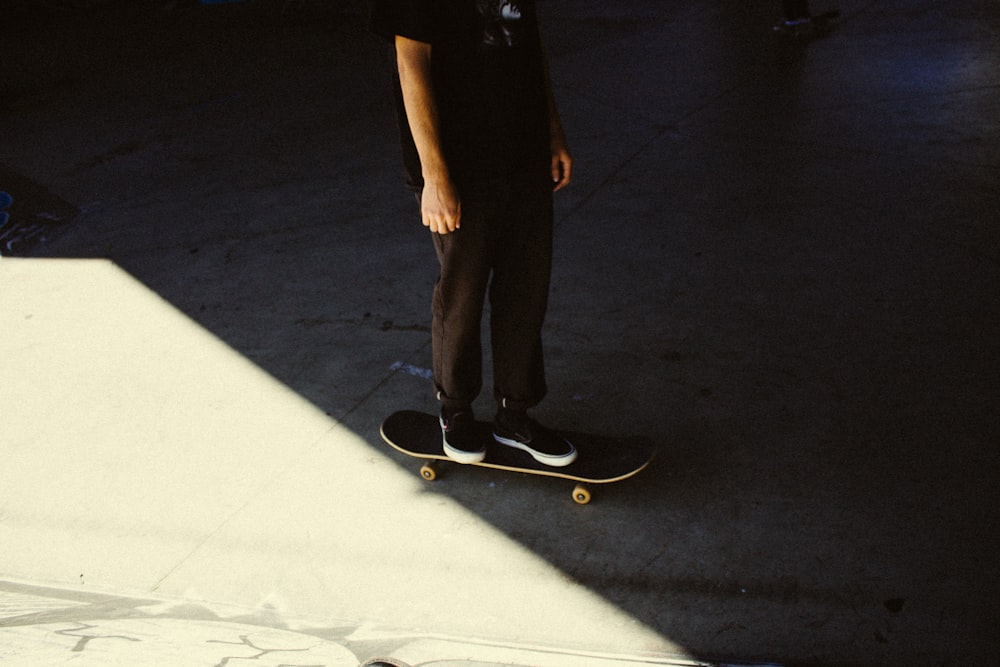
(503, 251)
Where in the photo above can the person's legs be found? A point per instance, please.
(519, 292)
(518, 302)
(457, 308)
(457, 312)
(503, 248)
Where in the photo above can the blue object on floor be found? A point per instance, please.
(5, 201)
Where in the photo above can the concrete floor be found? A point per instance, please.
(780, 259)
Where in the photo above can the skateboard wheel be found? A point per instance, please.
(581, 495)
(428, 472)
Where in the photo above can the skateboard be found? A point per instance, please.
(600, 460)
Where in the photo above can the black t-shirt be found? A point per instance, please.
(488, 83)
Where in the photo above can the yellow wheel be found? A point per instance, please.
(581, 494)
(428, 471)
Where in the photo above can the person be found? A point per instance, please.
(484, 150)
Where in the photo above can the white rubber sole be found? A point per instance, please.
(544, 459)
(462, 456)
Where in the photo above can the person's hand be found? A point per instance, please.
(562, 163)
(440, 207)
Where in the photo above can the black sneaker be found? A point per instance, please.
(521, 432)
(458, 433)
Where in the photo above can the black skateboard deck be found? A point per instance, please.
(600, 460)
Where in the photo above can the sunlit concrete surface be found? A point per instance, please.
(146, 457)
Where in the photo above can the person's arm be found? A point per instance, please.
(441, 209)
(562, 160)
